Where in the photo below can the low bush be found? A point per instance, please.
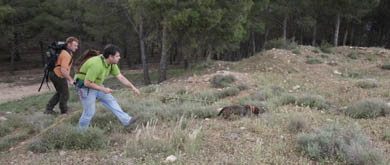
(296, 124)
(232, 91)
(313, 101)
(5, 129)
(314, 61)
(367, 108)
(351, 74)
(286, 99)
(296, 51)
(69, 137)
(11, 140)
(367, 83)
(342, 144)
(324, 56)
(316, 50)
(326, 47)
(222, 81)
(242, 87)
(386, 66)
(279, 44)
(386, 136)
(353, 55)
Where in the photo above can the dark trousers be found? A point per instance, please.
(62, 94)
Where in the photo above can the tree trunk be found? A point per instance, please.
(209, 52)
(345, 37)
(42, 53)
(16, 47)
(163, 61)
(265, 36)
(253, 44)
(285, 30)
(313, 43)
(142, 49)
(337, 28)
(185, 60)
(351, 37)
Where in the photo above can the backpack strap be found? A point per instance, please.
(71, 57)
(70, 53)
(101, 57)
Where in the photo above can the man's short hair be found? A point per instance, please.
(110, 50)
(71, 39)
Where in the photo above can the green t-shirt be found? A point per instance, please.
(96, 70)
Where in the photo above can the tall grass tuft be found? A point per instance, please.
(313, 101)
(296, 124)
(367, 108)
(222, 81)
(70, 137)
(342, 144)
(367, 83)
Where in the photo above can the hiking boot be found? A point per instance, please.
(50, 112)
(64, 112)
(133, 120)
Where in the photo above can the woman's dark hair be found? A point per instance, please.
(86, 55)
(110, 50)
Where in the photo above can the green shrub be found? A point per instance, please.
(149, 89)
(386, 66)
(221, 81)
(367, 83)
(69, 137)
(290, 44)
(286, 99)
(357, 153)
(324, 56)
(242, 87)
(316, 50)
(353, 55)
(106, 121)
(274, 43)
(37, 123)
(326, 47)
(367, 108)
(182, 92)
(201, 66)
(5, 129)
(232, 91)
(277, 91)
(205, 96)
(296, 51)
(343, 144)
(351, 74)
(297, 124)
(386, 136)
(313, 101)
(201, 112)
(11, 140)
(259, 96)
(314, 61)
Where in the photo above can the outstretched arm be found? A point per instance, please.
(126, 82)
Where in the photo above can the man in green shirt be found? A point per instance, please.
(92, 74)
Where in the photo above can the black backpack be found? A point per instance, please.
(51, 59)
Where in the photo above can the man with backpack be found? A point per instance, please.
(89, 85)
(61, 77)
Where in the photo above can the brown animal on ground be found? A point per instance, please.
(239, 110)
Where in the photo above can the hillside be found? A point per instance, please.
(316, 107)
